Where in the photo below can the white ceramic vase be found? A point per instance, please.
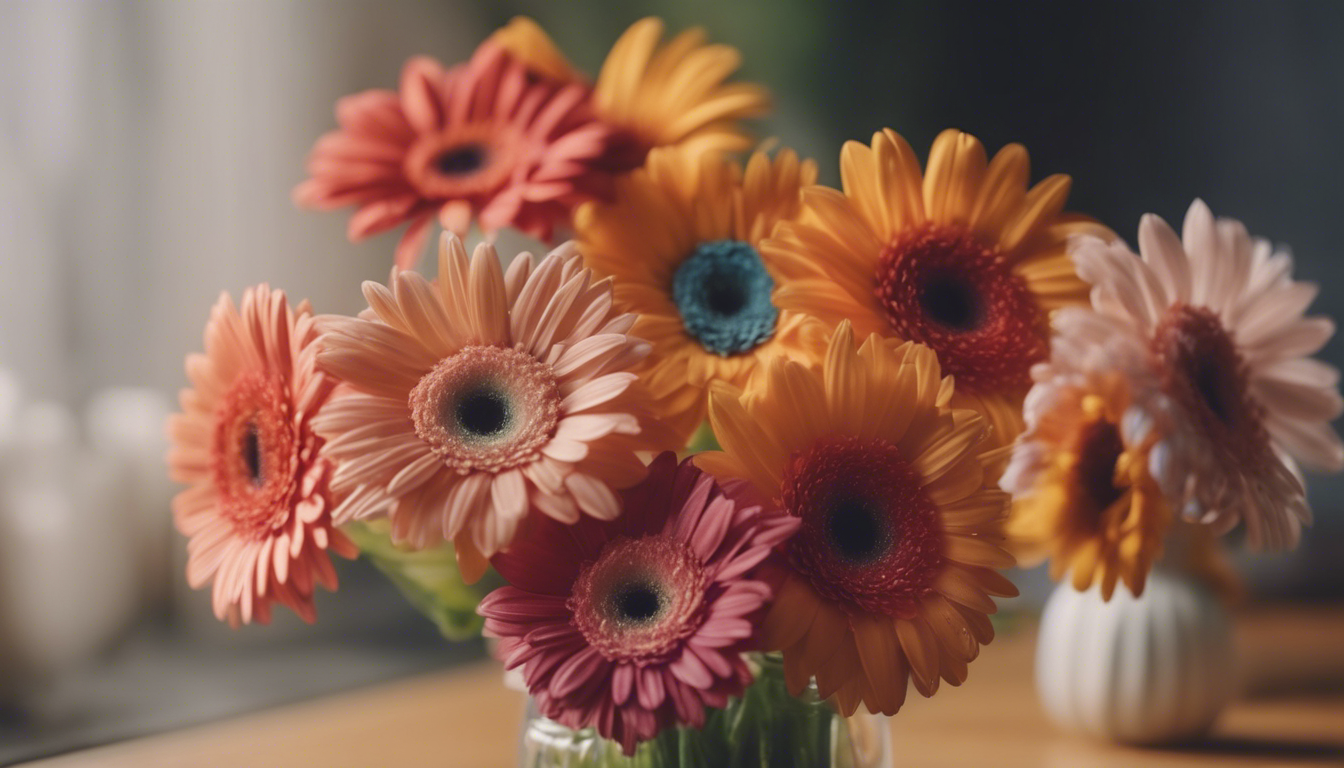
(1149, 670)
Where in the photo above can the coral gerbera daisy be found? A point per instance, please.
(1213, 324)
(963, 258)
(634, 624)
(259, 509)
(479, 142)
(675, 94)
(482, 394)
(1083, 493)
(681, 242)
(890, 575)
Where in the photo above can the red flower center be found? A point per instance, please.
(1098, 448)
(486, 408)
(1202, 370)
(255, 454)
(942, 287)
(466, 161)
(870, 539)
(640, 598)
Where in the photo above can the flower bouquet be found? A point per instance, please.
(858, 382)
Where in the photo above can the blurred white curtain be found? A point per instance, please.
(147, 151)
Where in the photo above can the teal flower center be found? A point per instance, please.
(723, 294)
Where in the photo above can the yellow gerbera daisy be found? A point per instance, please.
(963, 258)
(1083, 493)
(891, 573)
(675, 94)
(681, 242)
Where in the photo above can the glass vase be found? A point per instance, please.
(766, 727)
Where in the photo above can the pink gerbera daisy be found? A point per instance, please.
(259, 507)
(482, 141)
(635, 624)
(479, 395)
(1212, 323)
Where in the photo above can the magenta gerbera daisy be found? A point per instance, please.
(481, 142)
(632, 625)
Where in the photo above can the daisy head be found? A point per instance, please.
(1213, 323)
(1084, 495)
(653, 94)
(482, 142)
(472, 399)
(963, 258)
(638, 623)
(259, 506)
(682, 242)
(891, 572)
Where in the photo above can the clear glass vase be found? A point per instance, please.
(766, 727)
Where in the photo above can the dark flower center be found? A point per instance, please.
(870, 539)
(251, 450)
(1099, 448)
(638, 602)
(462, 160)
(856, 529)
(723, 294)
(941, 286)
(483, 412)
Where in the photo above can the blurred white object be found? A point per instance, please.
(67, 571)
(9, 408)
(126, 425)
(1149, 670)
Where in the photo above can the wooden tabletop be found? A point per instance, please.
(1291, 715)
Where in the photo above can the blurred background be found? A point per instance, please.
(147, 153)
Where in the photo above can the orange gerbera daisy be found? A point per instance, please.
(485, 395)
(963, 258)
(890, 575)
(1083, 492)
(675, 94)
(259, 509)
(681, 242)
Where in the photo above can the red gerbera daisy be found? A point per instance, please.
(632, 625)
(481, 141)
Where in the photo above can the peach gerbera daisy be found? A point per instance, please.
(652, 95)
(681, 242)
(259, 509)
(1213, 324)
(480, 395)
(1083, 494)
(890, 575)
(481, 142)
(963, 258)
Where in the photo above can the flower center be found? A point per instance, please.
(723, 294)
(870, 539)
(255, 454)
(1098, 449)
(461, 160)
(1202, 370)
(640, 598)
(486, 408)
(941, 286)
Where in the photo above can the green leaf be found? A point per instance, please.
(429, 579)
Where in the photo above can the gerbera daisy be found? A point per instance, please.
(890, 575)
(479, 142)
(681, 242)
(259, 507)
(675, 94)
(1213, 323)
(634, 624)
(482, 394)
(1083, 494)
(963, 258)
